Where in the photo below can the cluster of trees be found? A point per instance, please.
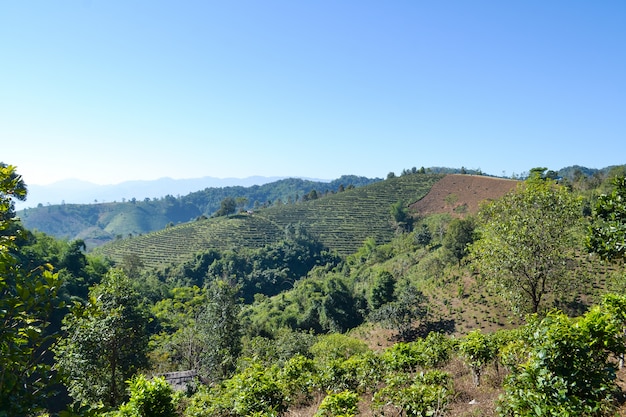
(264, 328)
(436, 170)
(233, 205)
(265, 271)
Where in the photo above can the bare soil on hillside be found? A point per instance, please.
(460, 195)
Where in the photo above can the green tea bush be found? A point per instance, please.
(148, 398)
(254, 391)
(427, 394)
(359, 373)
(341, 404)
(478, 351)
(568, 371)
(299, 378)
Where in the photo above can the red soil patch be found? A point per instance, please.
(459, 195)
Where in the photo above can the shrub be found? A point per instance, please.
(148, 398)
(253, 391)
(568, 372)
(358, 373)
(432, 352)
(341, 404)
(299, 377)
(478, 351)
(337, 346)
(428, 394)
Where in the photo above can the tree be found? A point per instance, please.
(105, 344)
(220, 331)
(400, 218)
(339, 308)
(27, 299)
(382, 289)
(525, 244)
(131, 264)
(459, 236)
(227, 206)
(12, 187)
(180, 343)
(312, 195)
(401, 314)
(74, 259)
(423, 237)
(241, 203)
(607, 232)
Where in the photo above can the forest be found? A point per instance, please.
(516, 309)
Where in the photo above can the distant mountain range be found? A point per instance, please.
(126, 212)
(74, 191)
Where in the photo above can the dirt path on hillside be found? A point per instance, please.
(460, 195)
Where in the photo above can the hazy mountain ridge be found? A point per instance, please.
(74, 191)
(100, 222)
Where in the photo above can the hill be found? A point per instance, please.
(99, 223)
(340, 221)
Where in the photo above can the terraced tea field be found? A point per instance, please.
(340, 221)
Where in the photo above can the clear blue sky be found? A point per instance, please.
(108, 91)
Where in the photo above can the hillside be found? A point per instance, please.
(99, 223)
(460, 194)
(295, 303)
(341, 221)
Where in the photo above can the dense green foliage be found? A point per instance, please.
(106, 342)
(28, 298)
(400, 314)
(148, 398)
(607, 234)
(567, 369)
(526, 246)
(460, 234)
(316, 305)
(281, 324)
(220, 331)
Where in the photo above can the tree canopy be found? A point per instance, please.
(525, 245)
(106, 342)
(28, 298)
(607, 233)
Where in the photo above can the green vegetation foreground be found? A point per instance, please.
(103, 335)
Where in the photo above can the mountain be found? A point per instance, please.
(101, 222)
(74, 191)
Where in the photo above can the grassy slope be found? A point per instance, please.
(341, 221)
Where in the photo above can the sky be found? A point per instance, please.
(108, 91)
